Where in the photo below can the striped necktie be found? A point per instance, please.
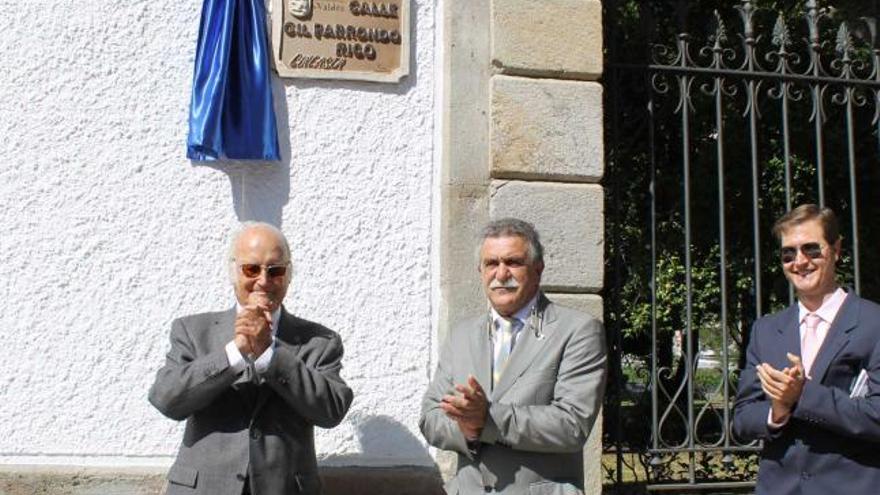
(504, 337)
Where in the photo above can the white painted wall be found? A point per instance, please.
(108, 231)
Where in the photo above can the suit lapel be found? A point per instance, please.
(287, 334)
(531, 339)
(223, 329)
(838, 336)
(481, 353)
(789, 332)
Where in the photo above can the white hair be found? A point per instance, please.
(513, 227)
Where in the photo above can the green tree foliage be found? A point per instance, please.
(650, 264)
(645, 129)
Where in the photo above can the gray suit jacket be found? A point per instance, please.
(541, 412)
(235, 427)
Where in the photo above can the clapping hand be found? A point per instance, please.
(783, 387)
(468, 407)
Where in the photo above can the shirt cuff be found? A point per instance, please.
(236, 360)
(473, 446)
(261, 364)
(776, 426)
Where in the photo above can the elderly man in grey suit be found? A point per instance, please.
(252, 382)
(517, 389)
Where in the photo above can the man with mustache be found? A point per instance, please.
(518, 388)
(251, 382)
(810, 386)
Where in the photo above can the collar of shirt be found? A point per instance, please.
(276, 316)
(828, 310)
(522, 315)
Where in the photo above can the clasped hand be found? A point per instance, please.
(468, 407)
(783, 387)
(253, 330)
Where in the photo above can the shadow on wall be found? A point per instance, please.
(382, 438)
(410, 469)
(260, 189)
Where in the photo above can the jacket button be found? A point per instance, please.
(240, 477)
(282, 380)
(255, 433)
(805, 475)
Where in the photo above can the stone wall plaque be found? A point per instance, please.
(341, 39)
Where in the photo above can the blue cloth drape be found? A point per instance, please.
(231, 113)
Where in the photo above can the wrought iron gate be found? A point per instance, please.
(720, 116)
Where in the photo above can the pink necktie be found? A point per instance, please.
(810, 342)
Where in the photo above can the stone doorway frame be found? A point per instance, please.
(522, 135)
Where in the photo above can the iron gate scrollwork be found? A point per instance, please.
(720, 116)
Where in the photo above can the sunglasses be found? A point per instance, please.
(812, 250)
(253, 270)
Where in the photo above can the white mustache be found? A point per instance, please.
(511, 283)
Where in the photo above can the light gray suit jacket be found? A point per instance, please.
(236, 428)
(541, 412)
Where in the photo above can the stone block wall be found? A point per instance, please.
(523, 137)
(552, 38)
(546, 129)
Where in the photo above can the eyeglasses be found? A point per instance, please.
(812, 250)
(253, 270)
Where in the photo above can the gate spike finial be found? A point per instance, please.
(781, 36)
(812, 15)
(720, 29)
(747, 11)
(844, 43)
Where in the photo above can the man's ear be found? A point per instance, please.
(836, 247)
(539, 267)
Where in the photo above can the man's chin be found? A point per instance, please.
(812, 290)
(505, 308)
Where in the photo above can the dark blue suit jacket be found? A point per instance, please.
(831, 443)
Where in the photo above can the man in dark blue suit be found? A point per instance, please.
(811, 386)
